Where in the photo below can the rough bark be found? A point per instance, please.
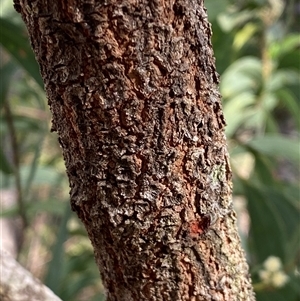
(133, 90)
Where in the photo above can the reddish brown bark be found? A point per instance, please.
(133, 90)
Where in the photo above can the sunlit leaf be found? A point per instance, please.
(244, 35)
(243, 75)
(229, 20)
(268, 101)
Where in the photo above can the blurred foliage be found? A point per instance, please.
(257, 49)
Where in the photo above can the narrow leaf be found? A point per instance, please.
(277, 146)
(17, 45)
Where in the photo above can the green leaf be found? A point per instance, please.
(51, 206)
(262, 170)
(257, 119)
(244, 35)
(290, 292)
(236, 110)
(268, 101)
(282, 78)
(215, 7)
(284, 47)
(80, 272)
(274, 218)
(17, 45)
(290, 61)
(34, 165)
(43, 175)
(276, 146)
(5, 167)
(72, 288)
(289, 100)
(244, 75)
(266, 236)
(6, 72)
(229, 20)
(271, 124)
(222, 45)
(55, 269)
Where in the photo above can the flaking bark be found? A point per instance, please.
(133, 90)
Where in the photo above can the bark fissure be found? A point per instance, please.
(132, 87)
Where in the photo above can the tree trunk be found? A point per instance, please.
(133, 90)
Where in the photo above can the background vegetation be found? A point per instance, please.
(257, 48)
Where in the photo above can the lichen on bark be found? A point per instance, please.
(133, 91)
